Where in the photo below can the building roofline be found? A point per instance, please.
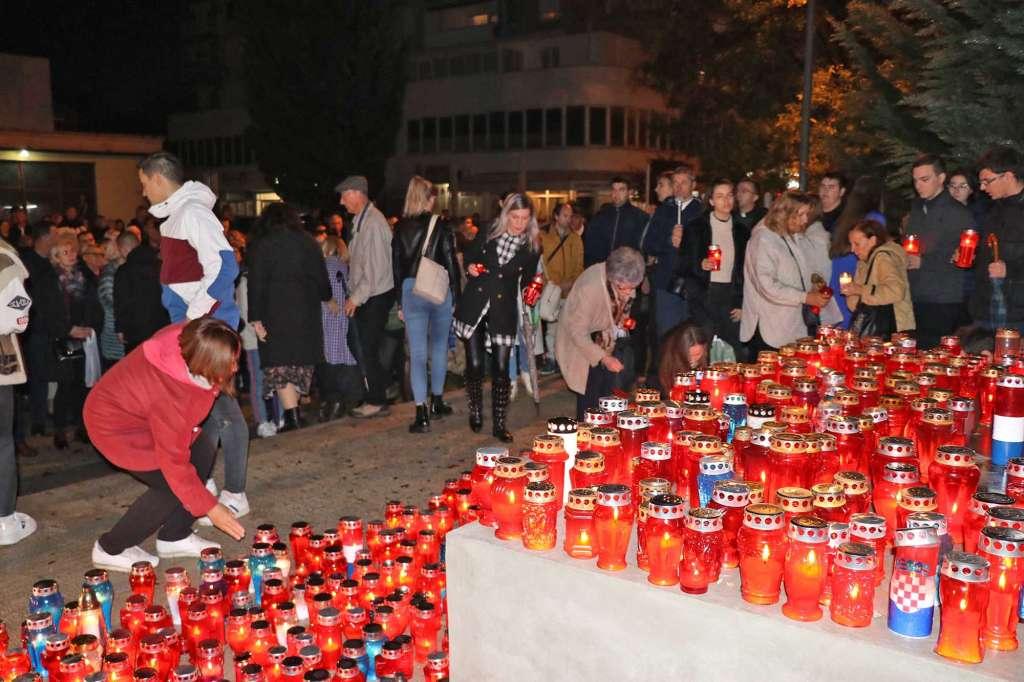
(73, 141)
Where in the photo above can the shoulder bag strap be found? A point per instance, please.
(426, 239)
(559, 247)
(799, 271)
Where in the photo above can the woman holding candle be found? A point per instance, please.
(144, 415)
(880, 284)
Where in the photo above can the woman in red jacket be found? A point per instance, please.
(144, 416)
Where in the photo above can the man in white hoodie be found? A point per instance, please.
(198, 273)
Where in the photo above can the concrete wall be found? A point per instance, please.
(26, 103)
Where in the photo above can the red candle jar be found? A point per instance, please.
(659, 429)
(703, 549)
(655, 462)
(934, 430)
(298, 538)
(988, 379)
(849, 443)
(797, 419)
(848, 401)
(680, 460)
(968, 246)
(794, 502)
(72, 669)
(954, 476)
(756, 491)
(535, 471)
(1004, 550)
(891, 449)
(853, 585)
(716, 383)
(758, 414)
(825, 457)
(593, 417)
(238, 632)
(963, 593)
(540, 513)
(673, 417)
(645, 394)
(142, 580)
(1007, 342)
(789, 464)
(867, 389)
(606, 441)
(912, 245)
(871, 529)
(633, 430)
(897, 410)
(550, 450)
(977, 515)
(762, 548)
(647, 489)
(838, 533)
(732, 498)
(428, 547)
(700, 418)
(740, 441)
(483, 478)
(805, 573)
(579, 523)
(857, 491)
(965, 419)
(664, 538)
(779, 396)
(1006, 517)
(507, 497)
(613, 524)
(829, 502)
(587, 470)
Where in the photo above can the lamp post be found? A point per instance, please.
(805, 105)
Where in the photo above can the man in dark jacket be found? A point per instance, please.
(616, 224)
(138, 313)
(38, 352)
(749, 210)
(1002, 177)
(663, 243)
(936, 285)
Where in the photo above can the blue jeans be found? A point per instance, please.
(669, 311)
(256, 402)
(226, 424)
(426, 330)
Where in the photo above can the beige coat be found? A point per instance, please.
(888, 284)
(587, 310)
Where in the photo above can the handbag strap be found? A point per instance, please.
(800, 272)
(558, 248)
(430, 231)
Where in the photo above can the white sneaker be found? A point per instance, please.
(211, 486)
(527, 384)
(368, 411)
(513, 391)
(238, 503)
(121, 562)
(16, 527)
(191, 546)
(266, 430)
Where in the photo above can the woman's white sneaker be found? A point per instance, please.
(191, 546)
(16, 527)
(121, 562)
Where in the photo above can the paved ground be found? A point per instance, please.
(316, 474)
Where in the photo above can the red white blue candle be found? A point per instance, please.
(1008, 419)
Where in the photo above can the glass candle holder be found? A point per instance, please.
(482, 479)
(1008, 419)
(794, 502)
(838, 533)
(896, 478)
(755, 456)
(735, 408)
(579, 523)
(702, 553)
(789, 465)
(699, 447)
(713, 470)
(660, 430)
(550, 450)
(761, 542)
(849, 443)
(606, 441)
(963, 591)
(934, 430)
(540, 513)
(663, 533)
(954, 476)
(1003, 548)
(588, 470)
(804, 573)
(142, 580)
(891, 449)
(871, 529)
(613, 524)
(732, 498)
(700, 418)
(915, 499)
(912, 587)
(829, 502)
(655, 461)
(853, 585)
(507, 497)
(977, 515)
(856, 489)
(633, 432)
(46, 596)
(1015, 480)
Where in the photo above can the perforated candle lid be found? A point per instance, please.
(646, 394)
(613, 495)
(630, 421)
(698, 413)
(828, 495)
(582, 499)
(666, 506)
(955, 456)
(929, 519)
(704, 520)
(589, 462)
(925, 536)
(841, 425)
(696, 397)
(1007, 517)
(961, 404)
(561, 426)
(756, 491)
(655, 451)
(1011, 381)
(510, 467)
(731, 494)
(489, 456)
(652, 409)
(684, 437)
(612, 403)
(540, 492)
(867, 526)
(715, 465)
(673, 409)
(648, 487)
(838, 533)
(965, 567)
(896, 447)
(788, 443)
(761, 438)
(807, 529)
(764, 517)
(743, 434)
(855, 556)
(536, 471)
(1002, 542)
(918, 498)
(736, 399)
(762, 410)
(595, 416)
(604, 436)
(853, 482)
(706, 445)
(548, 444)
(937, 416)
(794, 500)
(901, 473)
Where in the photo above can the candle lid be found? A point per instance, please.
(40, 620)
(838, 533)
(983, 501)
(788, 443)
(630, 421)
(583, 433)
(613, 495)
(764, 517)
(612, 403)
(846, 397)
(744, 433)
(706, 445)
(1015, 467)
(561, 426)
(867, 526)
(961, 404)
(666, 506)
(540, 492)
(604, 436)
(648, 487)
(355, 523)
(485, 457)
(937, 416)
(655, 451)
(878, 414)
(840, 424)
(965, 567)
(510, 467)
(807, 529)
(582, 499)
(589, 462)
(684, 379)
(896, 447)
(704, 520)
(736, 399)
(925, 536)
(865, 384)
(929, 519)
(891, 402)
(646, 394)
(684, 437)
(762, 437)
(652, 409)
(794, 500)
(698, 413)
(795, 414)
(673, 409)
(596, 416)
(44, 588)
(855, 556)
(942, 395)
(1007, 517)
(1002, 542)
(853, 482)
(955, 456)
(696, 397)
(828, 495)
(1011, 381)
(778, 392)
(731, 494)
(756, 491)
(548, 444)
(901, 473)
(715, 465)
(918, 498)
(762, 410)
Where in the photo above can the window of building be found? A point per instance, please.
(461, 142)
(630, 128)
(467, 16)
(429, 135)
(549, 10)
(457, 65)
(497, 131)
(210, 151)
(440, 67)
(511, 60)
(412, 137)
(490, 62)
(618, 127)
(444, 134)
(534, 128)
(575, 126)
(479, 132)
(553, 127)
(515, 130)
(549, 57)
(425, 69)
(642, 131)
(657, 131)
(46, 187)
(598, 126)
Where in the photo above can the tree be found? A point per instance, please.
(325, 82)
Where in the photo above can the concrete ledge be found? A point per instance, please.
(516, 615)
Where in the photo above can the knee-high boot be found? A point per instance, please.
(475, 395)
(501, 387)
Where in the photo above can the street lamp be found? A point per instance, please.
(805, 105)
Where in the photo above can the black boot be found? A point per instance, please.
(501, 387)
(60, 439)
(475, 393)
(422, 423)
(438, 407)
(291, 420)
(326, 408)
(338, 410)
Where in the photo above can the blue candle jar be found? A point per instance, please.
(211, 558)
(99, 581)
(46, 596)
(373, 637)
(261, 557)
(38, 626)
(713, 468)
(735, 408)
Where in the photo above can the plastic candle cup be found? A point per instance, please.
(426, 624)
(57, 647)
(853, 585)
(1015, 480)
(72, 669)
(142, 580)
(699, 447)
(740, 443)
(871, 530)
(38, 627)
(579, 523)
(605, 440)
(90, 615)
(964, 594)
(761, 542)
(664, 538)
(954, 477)
(657, 416)
(732, 498)
(550, 450)
(351, 530)
(633, 432)
(829, 502)
(805, 572)
(482, 480)
(1008, 419)
(702, 553)
(588, 470)
(977, 515)
(934, 429)
(46, 596)
(539, 514)
(1004, 550)
(794, 502)
(713, 469)
(789, 464)
(912, 586)
(117, 666)
(890, 449)
(613, 524)
(507, 497)
(855, 487)
(968, 247)
(655, 461)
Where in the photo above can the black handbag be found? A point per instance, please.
(873, 320)
(68, 349)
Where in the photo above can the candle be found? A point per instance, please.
(1004, 550)
(38, 627)
(655, 461)
(606, 441)
(633, 432)
(142, 580)
(968, 247)
(735, 408)
(550, 450)
(871, 530)
(855, 487)
(805, 571)
(794, 502)
(46, 596)
(829, 502)
(1015, 480)
(761, 543)
(702, 552)
(1008, 419)
(853, 585)
(436, 668)
(789, 464)
(912, 587)
(963, 588)
(715, 256)
(699, 447)
(579, 523)
(587, 470)
(506, 497)
(57, 646)
(664, 538)
(613, 523)
(713, 469)
(90, 615)
(539, 513)
(912, 245)
(732, 498)
(954, 477)
(965, 419)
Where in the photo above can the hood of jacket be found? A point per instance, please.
(190, 192)
(162, 351)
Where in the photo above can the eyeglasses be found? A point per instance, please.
(960, 186)
(985, 182)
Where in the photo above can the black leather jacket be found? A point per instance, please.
(407, 243)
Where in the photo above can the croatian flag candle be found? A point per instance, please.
(1008, 419)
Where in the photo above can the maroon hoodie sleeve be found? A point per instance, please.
(172, 438)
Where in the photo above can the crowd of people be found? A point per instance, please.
(355, 307)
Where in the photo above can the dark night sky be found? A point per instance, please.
(114, 65)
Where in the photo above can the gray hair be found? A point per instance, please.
(625, 265)
(165, 164)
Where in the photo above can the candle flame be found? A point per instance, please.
(854, 591)
(963, 604)
(584, 537)
(766, 552)
(811, 557)
(1002, 580)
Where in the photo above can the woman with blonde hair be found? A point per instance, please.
(420, 235)
(500, 264)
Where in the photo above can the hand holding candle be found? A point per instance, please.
(845, 280)
(912, 245)
(968, 246)
(713, 262)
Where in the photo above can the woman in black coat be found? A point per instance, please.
(500, 264)
(287, 281)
